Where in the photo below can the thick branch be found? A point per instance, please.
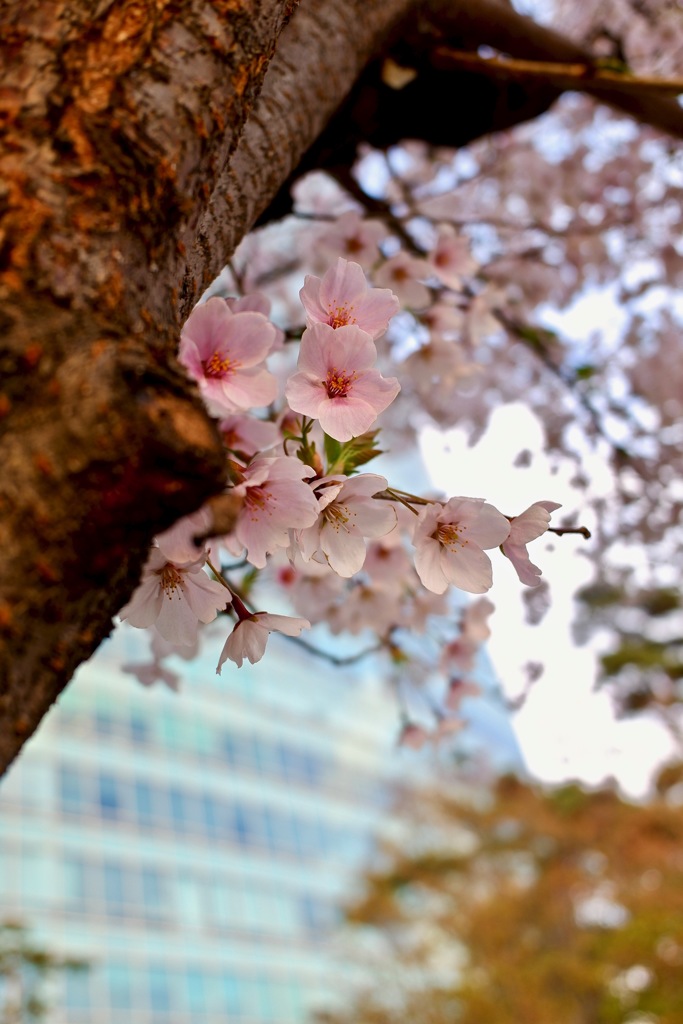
(320, 55)
(112, 127)
(501, 27)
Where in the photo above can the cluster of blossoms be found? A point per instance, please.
(337, 539)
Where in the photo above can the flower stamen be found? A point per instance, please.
(171, 580)
(340, 316)
(217, 366)
(338, 384)
(448, 534)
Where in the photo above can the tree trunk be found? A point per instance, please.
(127, 181)
(117, 117)
(119, 129)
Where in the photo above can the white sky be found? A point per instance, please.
(565, 728)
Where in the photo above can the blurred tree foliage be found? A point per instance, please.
(25, 969)
(643, 660)
(559, 907)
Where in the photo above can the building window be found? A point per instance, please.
(70, 795)
(178, 811)
(265, 1002)
(231, 1002)
(74, 883)
(77, 994)
(114, 889)
(209, 816)
(139, 728)
(153, 896)
(144, 804)
(189, 893)
(242, 825)
(316, 915)
(109, 797)
(118, 984)
(159, 993)
(196, 990)
(280, 831)
(104, 723)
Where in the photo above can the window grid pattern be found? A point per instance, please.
(180, 994)
(186, 811)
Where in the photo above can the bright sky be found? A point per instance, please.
(565, 728)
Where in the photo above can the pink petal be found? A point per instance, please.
(532, 523)
(429, 568)
(248, 338)
(344, 418)
(206, 328)
(375, 309)
(376, 390)
(490, 528)
(304, 395)
(467, 568)
(341, 284)
(247, 640)
(290, 625)
(344, 548)
(144, 606)
(528, 573)
(177, 620)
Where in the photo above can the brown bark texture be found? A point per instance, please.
(116, 116)
(141, 139)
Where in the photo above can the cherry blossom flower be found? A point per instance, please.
(335, 383)
(148, 673)
(451, 259)
(387, 561)
(250, 636)
(177, 544)
(418, 606)
(439, 364)
(365, 607)
(343, 297)
(257, 302)
(532, 523)
(481, 320)
(348, 514)
(474, 626)
(276, 500)
(221, 350)
(174, 598)
(247, 435)
(313, 589)
(449, 541)
(413, 736)
(458, 689)
(401, 273)
(459, 655)
(354, 236)
(443, 319)
(447, 726)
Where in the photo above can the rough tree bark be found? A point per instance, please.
(127, 181)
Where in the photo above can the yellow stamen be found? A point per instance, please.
(338, 384)
(217, 366)
(171, 580)
(340, 316)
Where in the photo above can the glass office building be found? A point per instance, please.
(196, 848)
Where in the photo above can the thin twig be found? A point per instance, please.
(561, 530)
(377, 207)
(334, 659)
(578, 76)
